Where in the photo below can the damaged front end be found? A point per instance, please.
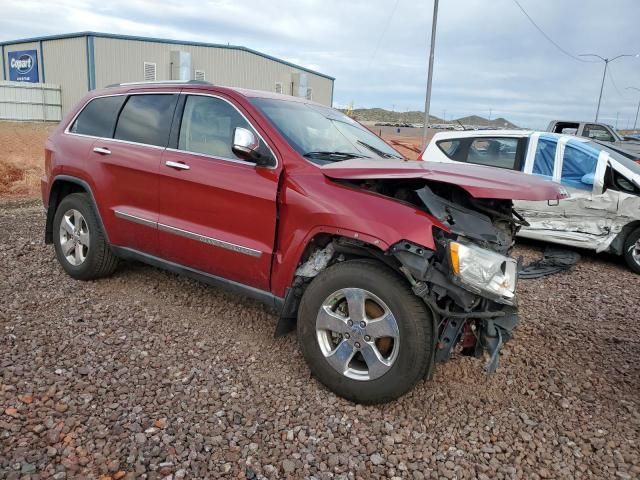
(468, 281)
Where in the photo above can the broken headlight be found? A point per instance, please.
(483, 271)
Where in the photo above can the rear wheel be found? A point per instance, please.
(80, 243)
(364, 334)
(632, 250)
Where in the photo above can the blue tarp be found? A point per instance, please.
(545, 155)
(580, 160)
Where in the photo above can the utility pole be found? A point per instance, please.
(638, 109)
(617, 115)
(427, 101)
(490, 114)
(604, 74)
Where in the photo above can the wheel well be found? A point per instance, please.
(344, 248)
(617, 246)
(59, 190)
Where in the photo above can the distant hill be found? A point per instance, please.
(382, 115)
(481, 121)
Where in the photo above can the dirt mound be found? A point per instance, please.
(22, 157)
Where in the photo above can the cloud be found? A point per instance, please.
(488, 55)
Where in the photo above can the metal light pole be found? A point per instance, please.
(604, 74)
(427, 101)
(638, 109)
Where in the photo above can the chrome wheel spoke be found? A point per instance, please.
(376, 363)
(355, 300)
(67, 247)
(341, 356)
(385, 326)
(78, 255)
(84, 239)
(329, 320)
(77, 220)
(66, 224)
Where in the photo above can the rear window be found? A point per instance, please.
(494, 152)
(449, 147)
(147, 119)
(98, 118)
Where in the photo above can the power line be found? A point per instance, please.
(384, 31)
(613, 82)
(568, 54)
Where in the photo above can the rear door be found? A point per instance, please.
(217, 212)
(130, 163)
(129, 137)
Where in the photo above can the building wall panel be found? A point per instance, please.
(66, 64)
(119, 60)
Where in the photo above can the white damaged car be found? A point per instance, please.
(602, 212)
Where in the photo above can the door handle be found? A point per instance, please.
(102, 150)
(177, 165)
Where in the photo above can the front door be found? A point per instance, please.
(217, 212)
(584, 219)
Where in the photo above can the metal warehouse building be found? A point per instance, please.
(79, 62)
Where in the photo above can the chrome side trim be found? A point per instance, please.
(209, 240)
(133, 218)
(187, 234)
(205, 155)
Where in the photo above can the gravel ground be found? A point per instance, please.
(150, 375)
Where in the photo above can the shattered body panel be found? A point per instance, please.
(587, 219)
(582, 221)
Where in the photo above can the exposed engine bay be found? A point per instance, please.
(490, 223)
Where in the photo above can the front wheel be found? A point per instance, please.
(363, 333)
(632, 250)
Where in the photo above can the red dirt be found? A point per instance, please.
(22, 158)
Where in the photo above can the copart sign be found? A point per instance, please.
(23, 66)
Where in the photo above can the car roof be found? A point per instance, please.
(196, 85)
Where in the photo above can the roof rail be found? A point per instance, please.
(160, 82)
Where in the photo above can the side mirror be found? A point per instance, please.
(246, 145)
(244, 142)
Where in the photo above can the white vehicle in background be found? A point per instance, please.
(603, 210)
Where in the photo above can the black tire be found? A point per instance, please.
(100, 260)
(415, 326)
(630, 245)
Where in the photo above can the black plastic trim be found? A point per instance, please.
(53, 200)
(261, 295)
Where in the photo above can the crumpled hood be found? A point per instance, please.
(479, 181)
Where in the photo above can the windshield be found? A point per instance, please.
(322, 134)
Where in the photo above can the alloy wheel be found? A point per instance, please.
(358, 334)
(74, 237)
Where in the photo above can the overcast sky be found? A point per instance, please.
(488, 55)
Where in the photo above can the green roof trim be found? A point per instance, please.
(162, 40)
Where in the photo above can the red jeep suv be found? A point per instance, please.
(384, 266)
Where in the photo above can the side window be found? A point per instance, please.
(579, 166)
(597, 132)
(545, 157)
(208, 125)
(147, 119)
(450, 148)
(99, 117)
(494, 152)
